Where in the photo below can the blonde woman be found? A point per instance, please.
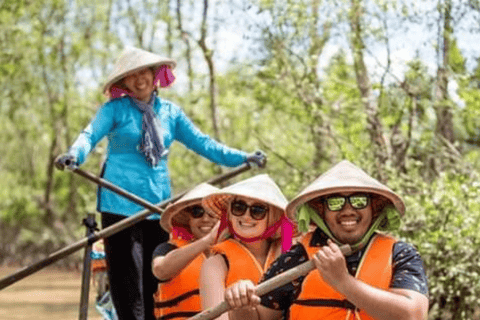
(253, 211)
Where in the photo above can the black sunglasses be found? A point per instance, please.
(196, 211)
(337, 202)
(257, 211)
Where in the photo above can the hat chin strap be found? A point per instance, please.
(284, 223)
(312, 214)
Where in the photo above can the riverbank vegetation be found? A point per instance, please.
(393, 86)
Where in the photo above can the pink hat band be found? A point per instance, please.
(180, 232)
(284, 223)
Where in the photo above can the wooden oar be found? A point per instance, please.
(114, 228)
(153, 208)
(267, 286)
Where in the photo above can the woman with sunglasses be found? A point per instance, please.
(176, 263)
(378, 278)
(253, 211)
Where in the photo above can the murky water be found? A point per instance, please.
(49, 294)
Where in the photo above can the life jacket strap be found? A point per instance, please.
(345, 304)
(182, 315)
(176, 300)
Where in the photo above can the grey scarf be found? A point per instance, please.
(152, 137)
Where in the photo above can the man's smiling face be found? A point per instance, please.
(348, 225)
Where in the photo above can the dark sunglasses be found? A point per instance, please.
(257, 211)
(337, 202)
(196, 212)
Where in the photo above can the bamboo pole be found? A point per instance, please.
(115, 228)
(91, 224)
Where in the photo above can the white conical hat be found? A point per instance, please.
(175, 212)
(134, 59)
(260, 187)
(343, 177)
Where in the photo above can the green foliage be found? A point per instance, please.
(442, 220)
(469, 115)
(456, 61)
(54, 56)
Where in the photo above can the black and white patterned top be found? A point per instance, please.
(408, 271)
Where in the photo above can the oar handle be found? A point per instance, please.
(267, 286)
(230, 174)
(154, 208)
(130, 196)
(114, 228)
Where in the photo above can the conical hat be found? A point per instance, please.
(174, 213)
(134, 59)
(343, 177)
(260, 187)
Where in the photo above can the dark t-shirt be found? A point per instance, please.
(161, 250)
(408, 271)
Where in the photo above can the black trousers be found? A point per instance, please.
(129, 262)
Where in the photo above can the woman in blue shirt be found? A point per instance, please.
(140, 128)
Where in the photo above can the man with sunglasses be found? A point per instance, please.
(378, 278)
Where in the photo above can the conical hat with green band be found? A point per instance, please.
(343, 177)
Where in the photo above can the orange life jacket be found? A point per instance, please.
(98, 265)
(179, 297)
(242, 263)
(318, 300)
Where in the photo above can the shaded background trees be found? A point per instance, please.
(390, 85)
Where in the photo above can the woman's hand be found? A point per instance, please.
(65, 160)
(211, 237)
(242, 294)
(258, 157)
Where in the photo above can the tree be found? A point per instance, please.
(444, 126)
(375, 127)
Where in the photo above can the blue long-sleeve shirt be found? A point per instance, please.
(126, 167)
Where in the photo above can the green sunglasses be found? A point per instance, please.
(337, 202)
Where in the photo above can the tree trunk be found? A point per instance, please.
(48, 217)
(188, 50)
(208, 54)
(317, 128)
(374, 126)
(444, 125)
(138, 26)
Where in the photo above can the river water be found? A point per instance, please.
(49, 294)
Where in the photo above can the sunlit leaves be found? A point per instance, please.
(295, 96)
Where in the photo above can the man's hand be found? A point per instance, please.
(332, 265)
